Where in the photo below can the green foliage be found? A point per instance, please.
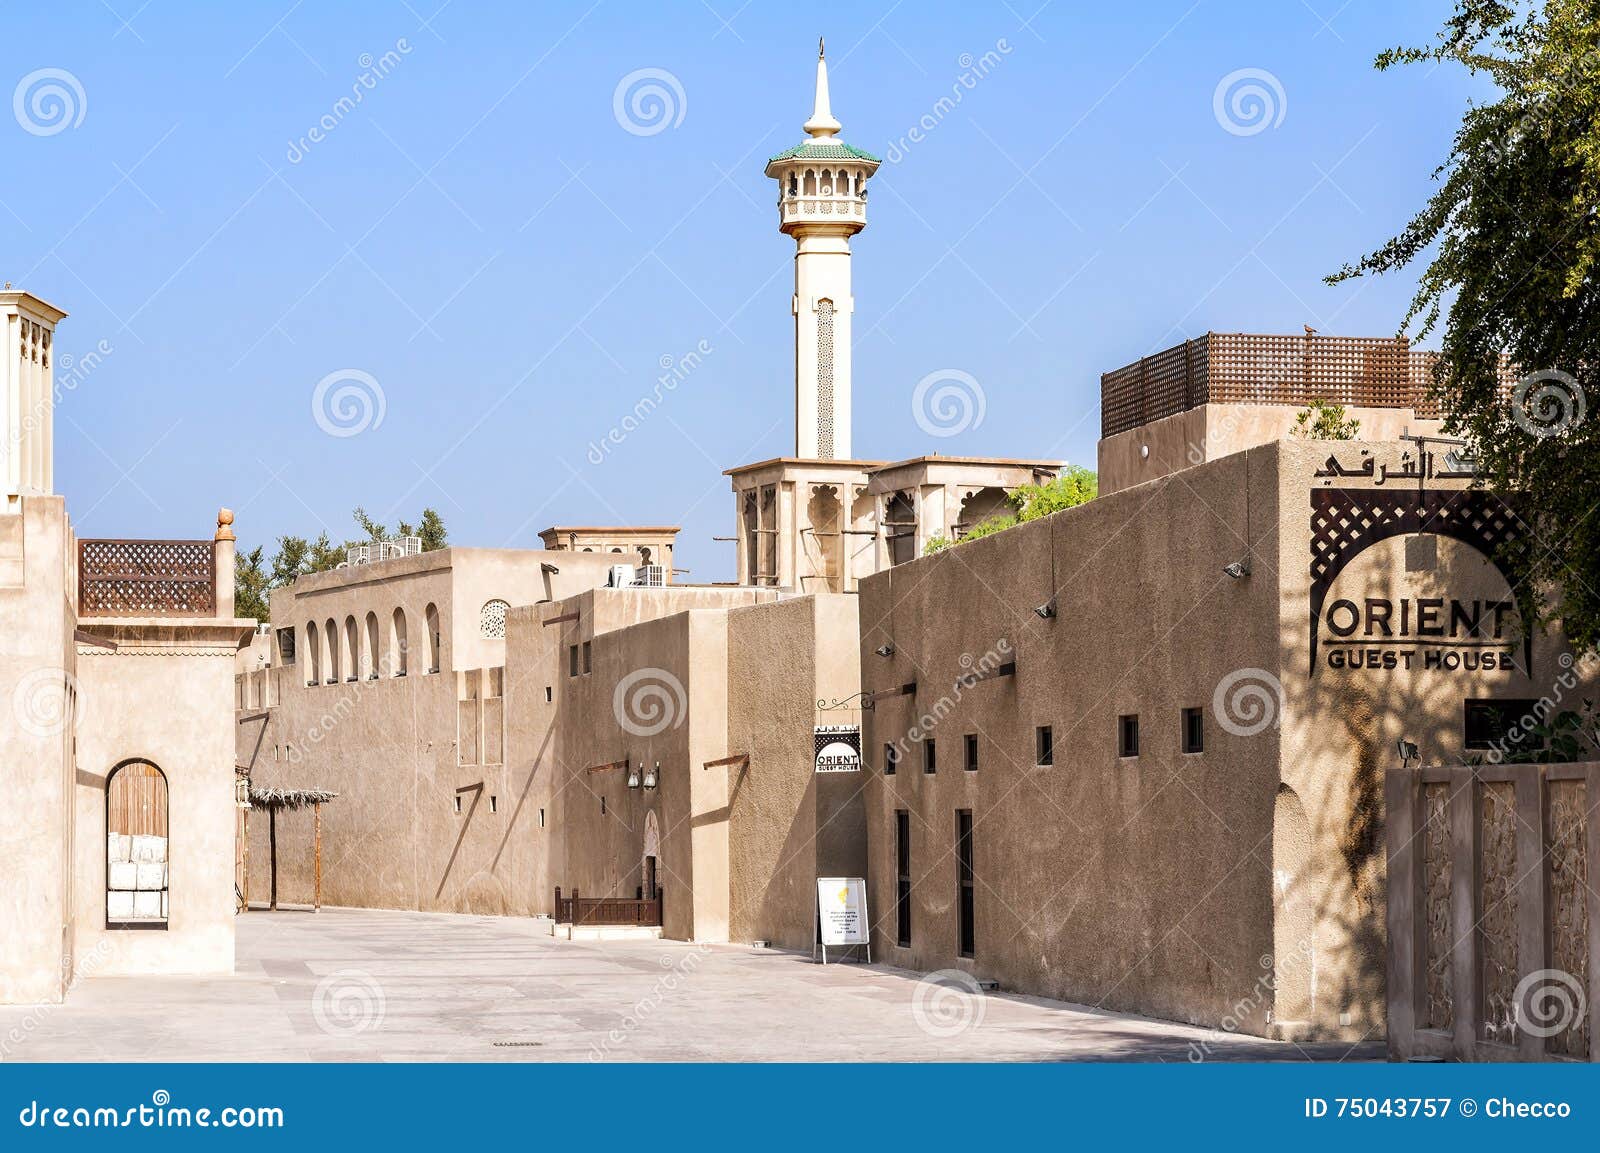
(254, 578)
(1072, 487)
(1566, 737)
(1324, 421)
(251, 584)
(1512, 241)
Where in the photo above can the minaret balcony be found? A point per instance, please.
(822, 209)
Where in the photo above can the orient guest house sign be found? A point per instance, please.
(1401, 632)
(838, 748)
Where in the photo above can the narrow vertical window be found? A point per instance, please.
(588, 657)
(572, 660)
(1128, 736)
(965, 891)
(891, 760)
(928, 762)
(1194, 731)
(902, 885)
(1044, 742)
(972, 753)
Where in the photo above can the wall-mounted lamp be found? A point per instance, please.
(633, 776)
(1408, 752)
(1046, 610)
(884, 650)
(1238, 570)
(652, 777)
(1144, 452)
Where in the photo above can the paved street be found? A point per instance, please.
(368, 985)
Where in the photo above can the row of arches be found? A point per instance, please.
(829, 182)
(366, 650)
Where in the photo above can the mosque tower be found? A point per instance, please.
(822, 202)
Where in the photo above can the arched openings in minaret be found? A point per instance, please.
(826, 512)
(808, 184)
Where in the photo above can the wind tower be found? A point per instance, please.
(822, 202)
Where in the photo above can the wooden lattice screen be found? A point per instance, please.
(146, 578)
(1242, 368)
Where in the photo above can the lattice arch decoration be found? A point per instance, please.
(492, 619)
(1346, 522)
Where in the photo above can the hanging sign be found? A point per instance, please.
(838, 748)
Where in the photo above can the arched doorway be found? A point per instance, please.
(649, 883)
(136, 846)
(1294, 957)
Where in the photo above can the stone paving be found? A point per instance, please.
(374, 985)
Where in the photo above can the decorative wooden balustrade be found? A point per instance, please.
(576, 910)
(1245, 368)
(1493, 913)
(146, 578)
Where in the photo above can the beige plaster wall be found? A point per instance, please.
(37, 666)
(163, 695)
(1212, 431)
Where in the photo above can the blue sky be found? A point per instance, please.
(484, 238)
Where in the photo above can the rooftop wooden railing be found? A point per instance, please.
(1244, 368)
(146, 578)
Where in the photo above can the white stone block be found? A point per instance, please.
(118, 846)
(147, 848)
(152, 875)
(119, 905)
(147, 905)
(124, 875)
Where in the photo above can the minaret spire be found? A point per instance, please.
(822, 124)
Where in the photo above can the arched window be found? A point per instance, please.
(397, 643)
(809, 183)
(352, 650)
(136, 846)
(492, 620)
(431, 618)
(331, 640)
(370, 658)
(313, 653)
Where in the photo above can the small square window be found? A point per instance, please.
(1128, 736)
(549, 694)
(588, 658)
(891, 760)
(1044, 745)
(1194, 730)
(928, 756)
(494, 803)
(572, 660)
(1506, 725)
(458, 802)
(972, 753)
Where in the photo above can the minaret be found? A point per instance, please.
(27, 394)
(822, 202)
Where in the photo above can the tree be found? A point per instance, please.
(1072, 487)
(1512, 241)
(432, 531)
(251, 584)
(1323, 421)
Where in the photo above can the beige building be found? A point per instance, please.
(117, 844)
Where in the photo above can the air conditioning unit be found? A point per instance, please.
(651, 576)
(622, 576)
